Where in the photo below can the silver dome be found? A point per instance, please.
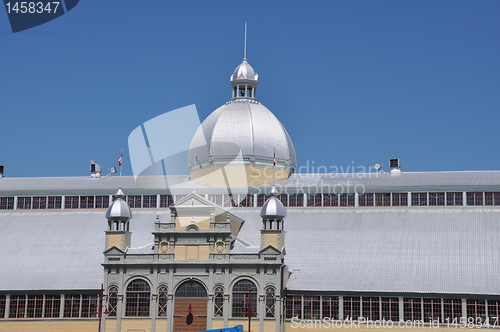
(244, 72)
(242, 126)
(119, 209)
(273, 208)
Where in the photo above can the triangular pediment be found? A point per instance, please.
(193, 200)
(270, 250)
(114, 251)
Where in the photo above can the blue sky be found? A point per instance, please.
(354, 82)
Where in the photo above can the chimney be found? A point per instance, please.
(395, 166)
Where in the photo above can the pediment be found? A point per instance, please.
(270, 250)
(114, 251)
(193, 200)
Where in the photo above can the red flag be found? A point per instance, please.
(120, 160)
(274, 157)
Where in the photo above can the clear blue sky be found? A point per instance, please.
(352, 81)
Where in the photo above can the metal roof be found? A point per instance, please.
(243, 127)
(412, 249)
(408, 250)
(307, 183)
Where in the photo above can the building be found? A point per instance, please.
(306, 251)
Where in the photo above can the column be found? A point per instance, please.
(170, 310)
(210, 310)
(119, 311)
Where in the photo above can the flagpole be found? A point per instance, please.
(121, 166)
(194, 171)
(274, 164)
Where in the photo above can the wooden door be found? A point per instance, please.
(190, 307)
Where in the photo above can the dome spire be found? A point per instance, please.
(245, 45)
(244, 78)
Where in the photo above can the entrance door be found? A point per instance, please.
(190, 307)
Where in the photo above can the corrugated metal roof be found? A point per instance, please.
(412, 249)
(423, 250)
(308, 183)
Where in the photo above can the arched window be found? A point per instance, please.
(244, 293)
(138, 299)
(162, 301)
(191, 288)
(112, 301)
(218, 301)
(270, 301)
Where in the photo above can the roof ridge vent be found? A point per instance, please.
(395, 165)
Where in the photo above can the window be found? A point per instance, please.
(134, 201)
(230, 200)
(89, 305)
(491, 198)
(296, 200)
(419, 199)
(246, 200)
(72, 306)
(216, 199)
(162, 301)
(6, 203)
(452, 309)
(17, 308)
(71, 202)
(166, 201)
(330, 307)
(476, 308)
(34, 307)
(432, 309)
(149, 201)
(191, 288)
(54, 202)
(270, 301)
(218, 301)
(436, 199)
(293, 307)
(346, 199)
(87, 202)
(284, 199)
(3, 301)
(351, 307)
(52, 306)
(24, 203)
(474, 198)
(40, 203)
(101, 202)
(493, 310)
(243, 290)
(412, 309)
(112, 301)
(138, 299)
(314, 199)
(389, 308)
(371, 308)
(311, 307)
(261, 199)
(454, 199)
(330, 200)
(365, 199)
(399, 199)
(383, 199)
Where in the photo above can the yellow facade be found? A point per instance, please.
(120, 240)
(271, 239)
(237, 176)
(49, 325)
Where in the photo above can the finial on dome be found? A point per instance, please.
(273, 209)
(119, 209)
